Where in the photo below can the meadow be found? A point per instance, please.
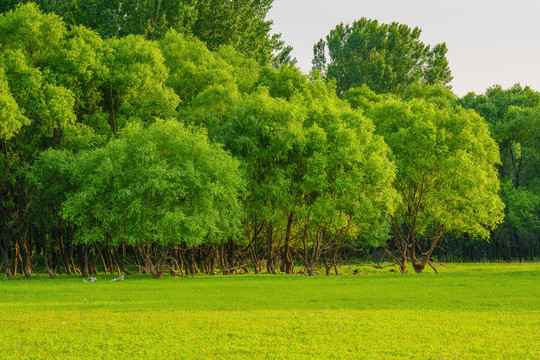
(471, 311)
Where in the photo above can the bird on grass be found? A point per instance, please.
(119, 278)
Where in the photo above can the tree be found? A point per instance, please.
(344, 176)
(514, 118)
(48, 186)
(155, 188)
(30, 41)
(446, 175)
(37, 35)
(263, 133)
(385, 57)
(284, 57)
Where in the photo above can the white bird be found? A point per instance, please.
(90, 279)
(120, 278)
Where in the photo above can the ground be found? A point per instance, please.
(488, 311)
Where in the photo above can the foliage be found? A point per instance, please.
(241, 24)
(385, 57)
(308, 159)
(165, 185)
(514, 118)
(446, 174)
(12, 116)
(136, 86)
(193, 66)
(114, 18)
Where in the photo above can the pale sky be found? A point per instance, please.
(489, 42)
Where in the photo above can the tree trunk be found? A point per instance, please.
(204, 257)
(419, 266)
(403, 265)
(25, 254)
(5, 256)
(158, 268)
(111, 259)
(91, 265)
(270, 263)
(75, 270)
(192, 265)
(55, 262)
(327, 267)
(254, 249)
(122, 265)
(310, 268)
(334, 261)
(83, 260)
(181, 262)
(104, 262)
(49, 270)
(230, 257)
(213, 264)
(287, 264)
(63, 256)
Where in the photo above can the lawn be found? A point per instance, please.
(488, 311)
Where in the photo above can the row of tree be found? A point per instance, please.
(151, 152)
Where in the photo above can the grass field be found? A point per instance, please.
(468, 312)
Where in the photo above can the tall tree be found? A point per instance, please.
(30, 40)
(344, 187)
(385, 57)
(514, 118)
(446, 174)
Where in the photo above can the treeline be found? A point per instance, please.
(140, 149)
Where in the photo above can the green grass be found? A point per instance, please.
(489, 311)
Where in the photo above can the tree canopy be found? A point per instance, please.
(241, 23)
(385, 57)
(513, 116)
(446, 173)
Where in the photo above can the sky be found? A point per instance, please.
(489, 42)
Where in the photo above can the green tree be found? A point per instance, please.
(37, 35)
(446, 175)
(314, 170)
(264, 133)
(48, 186)
(514, 118)
(30, 41)
(344, 179)
(157, 187)
(385, 57)
(244, 69)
